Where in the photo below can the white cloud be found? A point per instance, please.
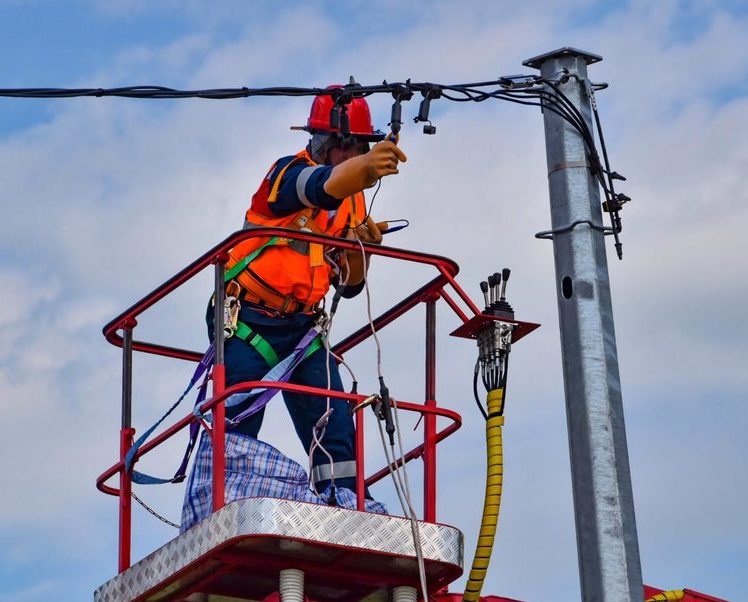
(111, 196)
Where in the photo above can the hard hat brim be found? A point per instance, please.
(375, 136)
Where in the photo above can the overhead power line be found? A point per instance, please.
(531, 90)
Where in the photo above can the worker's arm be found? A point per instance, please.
(324, 186)
(302, 187)
(357, 173)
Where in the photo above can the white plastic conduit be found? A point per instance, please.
(404, 593)
(292, 585)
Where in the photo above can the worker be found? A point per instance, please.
(280, 291)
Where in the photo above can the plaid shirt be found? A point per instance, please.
(253, 469)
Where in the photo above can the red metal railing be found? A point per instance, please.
(429, 293)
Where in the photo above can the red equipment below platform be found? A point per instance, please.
(688, 595)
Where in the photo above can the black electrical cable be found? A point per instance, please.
(604, 174)
(371, 202)
(599, 171)
(475, 389)
(529, 90)
(611, 198)
(503, 382)
(467, 93)
(582, 128)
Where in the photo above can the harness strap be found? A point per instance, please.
(249, 336)
(316, 344)
(279, 178)
(236, 269)
(203, 369)
(245, 333)
(281, 373)
(255, 292)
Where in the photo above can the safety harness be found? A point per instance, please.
(280, 371)
(243, 284)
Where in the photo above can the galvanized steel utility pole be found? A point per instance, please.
(607, 542)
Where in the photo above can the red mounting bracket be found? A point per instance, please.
(471, 328)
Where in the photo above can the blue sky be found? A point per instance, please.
(103, 199)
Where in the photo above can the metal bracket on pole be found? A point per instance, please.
(607, 541)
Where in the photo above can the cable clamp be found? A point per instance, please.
(549, 234)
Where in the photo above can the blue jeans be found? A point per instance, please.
(244, 363)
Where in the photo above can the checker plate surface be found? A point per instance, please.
(285, 518)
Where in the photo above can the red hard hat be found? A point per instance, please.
(359, 118)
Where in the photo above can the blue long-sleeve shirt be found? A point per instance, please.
(302, 186)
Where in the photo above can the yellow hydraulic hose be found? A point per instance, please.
(675, 594)
(492, 499)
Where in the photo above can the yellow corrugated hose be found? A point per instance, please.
(675, 594)
(492, 499)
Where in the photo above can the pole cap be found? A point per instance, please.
(537, 61)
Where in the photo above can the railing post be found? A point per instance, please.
(429, 421)
(360, 476)
(125, 443)
(219, 384)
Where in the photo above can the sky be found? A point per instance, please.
(104, 199)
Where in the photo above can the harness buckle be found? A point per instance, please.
(231, 307)
(287, 303)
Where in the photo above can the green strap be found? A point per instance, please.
(248, 259)
(246, 334)
(316, 344)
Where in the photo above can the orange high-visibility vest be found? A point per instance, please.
(290, 273)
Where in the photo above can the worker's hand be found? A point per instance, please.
(383, 159)
(368, 232)
(354, 262)
(357, 173)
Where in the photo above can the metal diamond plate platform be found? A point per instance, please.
(237, 552)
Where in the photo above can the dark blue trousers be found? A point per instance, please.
(244, 363)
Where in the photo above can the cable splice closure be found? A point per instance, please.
(512, 82)
(383, 410)
(400, 92)
(339, 112)
(495, 339)
(429, 93)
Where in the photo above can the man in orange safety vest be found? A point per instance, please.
(280, 284)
